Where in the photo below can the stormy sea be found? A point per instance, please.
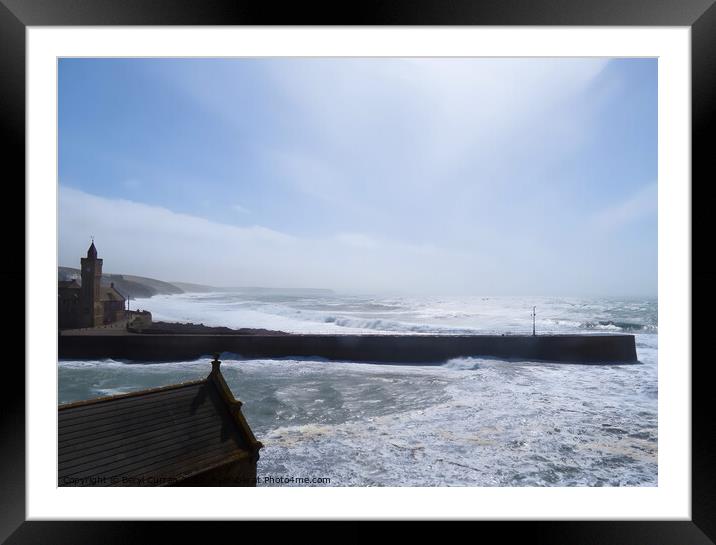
(467, 422)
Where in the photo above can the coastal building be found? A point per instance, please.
(68, 303)
(89, 303)
(189, 434)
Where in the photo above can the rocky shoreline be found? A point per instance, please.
(175, 328)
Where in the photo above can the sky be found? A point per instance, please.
(480, 176)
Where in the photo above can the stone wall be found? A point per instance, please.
(372, 348)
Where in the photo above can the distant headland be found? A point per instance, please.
(142, 287)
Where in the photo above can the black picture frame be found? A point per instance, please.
(699, 15)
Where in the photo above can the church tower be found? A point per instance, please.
(92, 312)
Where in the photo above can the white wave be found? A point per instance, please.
(457, 315)
(467, 364)
(392, 326)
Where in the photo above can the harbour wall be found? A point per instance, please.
(371, 348)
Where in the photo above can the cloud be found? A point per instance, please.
(347, 125)
(357, 240)
(136, 238)
(638, 205)
(459, 106)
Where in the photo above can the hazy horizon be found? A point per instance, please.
(350, 292)
(421, 176)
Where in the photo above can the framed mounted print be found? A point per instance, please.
(359, 269)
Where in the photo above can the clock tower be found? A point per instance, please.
(92, 312)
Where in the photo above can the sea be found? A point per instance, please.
(466, 422)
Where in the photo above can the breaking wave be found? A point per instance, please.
(393, 326)
(418, 315)
(610, 325)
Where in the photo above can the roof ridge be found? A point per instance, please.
(136, 393)
(233, 404)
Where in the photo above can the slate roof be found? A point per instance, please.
(106, 293)
(110, 293)
(153, 437)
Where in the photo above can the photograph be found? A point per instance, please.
(357, 271)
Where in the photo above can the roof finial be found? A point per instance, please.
(92, 250)
(215, 364)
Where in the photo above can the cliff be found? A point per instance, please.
(138, 287)
(135, 287)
